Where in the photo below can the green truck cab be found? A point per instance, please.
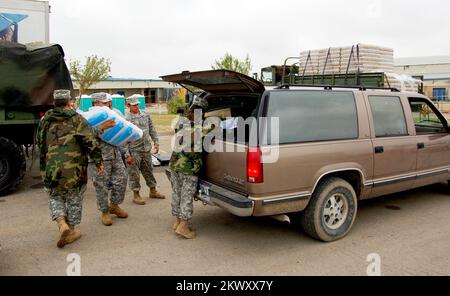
(28, 77)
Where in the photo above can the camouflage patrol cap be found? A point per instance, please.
(101, 97)
(199, 102)
(61, 94)
(133, 100)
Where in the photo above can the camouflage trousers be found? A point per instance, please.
(68, 204)
(142, 164)
(184, 188)
(114, 178)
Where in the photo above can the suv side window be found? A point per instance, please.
(307, 116)
(388, 117)
(426, 120)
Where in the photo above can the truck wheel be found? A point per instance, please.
(331, 211)
(12, 166)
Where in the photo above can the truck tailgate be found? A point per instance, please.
(227, 169)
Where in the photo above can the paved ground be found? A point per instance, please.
(410, 231)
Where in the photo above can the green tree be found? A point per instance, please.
(177, 101)
(95, 69)
(229, 62)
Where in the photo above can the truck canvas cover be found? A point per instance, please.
(29, 74)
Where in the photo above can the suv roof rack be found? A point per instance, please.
(330, 87)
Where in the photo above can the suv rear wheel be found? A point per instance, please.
(331, 210)
(12, 166)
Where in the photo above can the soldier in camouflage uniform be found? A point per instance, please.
(185, 166)
(139, 153)
(115, 176)
(65, 141)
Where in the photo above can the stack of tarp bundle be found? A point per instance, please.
(309, 62)
(360, 58)
(402, 82)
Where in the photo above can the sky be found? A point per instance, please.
(147, 38)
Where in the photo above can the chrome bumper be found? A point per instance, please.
(214, 195)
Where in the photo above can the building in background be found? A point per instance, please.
(154, 91)
(434, 71)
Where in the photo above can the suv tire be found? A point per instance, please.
(331, 211)
(12, 166)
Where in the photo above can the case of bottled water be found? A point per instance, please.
(119, 135)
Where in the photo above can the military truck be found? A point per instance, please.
(28, 77)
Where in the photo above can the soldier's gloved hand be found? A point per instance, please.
(156, 148)
(100, 170)
(108, 124)
(130, 160)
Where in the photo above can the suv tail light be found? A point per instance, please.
(254, 166)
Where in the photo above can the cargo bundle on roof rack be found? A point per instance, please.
(359, 65)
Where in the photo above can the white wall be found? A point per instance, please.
(35, 28)
(423, 69)
(108, 84)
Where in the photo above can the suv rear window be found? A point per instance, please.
(307, 116)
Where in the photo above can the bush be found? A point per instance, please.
(177, 101)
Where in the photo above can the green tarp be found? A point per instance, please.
(29, 74)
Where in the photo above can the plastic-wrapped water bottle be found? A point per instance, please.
(109, 134)
(119, 135)
(136, 134)
(98, 115)
(123, 136)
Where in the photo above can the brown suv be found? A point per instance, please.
(335, 146)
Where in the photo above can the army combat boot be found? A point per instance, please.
(184, 230)
(64, 231)
(177, 222)
(74, 234)
(137, 199)
(106, 219)
(155, 194)
(116, 210)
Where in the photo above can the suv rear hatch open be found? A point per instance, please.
(229, 94)
(217, 81)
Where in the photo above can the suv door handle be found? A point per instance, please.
(379, 149)
(421, 146)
